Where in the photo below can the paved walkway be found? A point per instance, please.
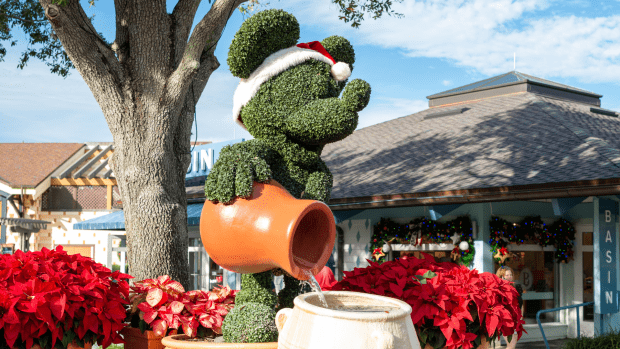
(554, 344)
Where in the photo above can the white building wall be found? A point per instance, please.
(60, 231)
(357, 234)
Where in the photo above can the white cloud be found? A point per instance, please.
(383, 109)
(214, 110)
(483, 34)
(38, 106)
(446, 82)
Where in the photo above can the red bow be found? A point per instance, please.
(316, 46)
(503, 250)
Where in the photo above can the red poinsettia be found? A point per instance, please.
(163, 305)
(48, 297)
(453, 307)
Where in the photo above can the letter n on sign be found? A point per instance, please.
(605, 252)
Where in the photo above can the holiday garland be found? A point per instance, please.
(422, 230)
(531, 230)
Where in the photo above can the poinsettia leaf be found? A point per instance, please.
(156, 297)
(176, 307)
(159, 327)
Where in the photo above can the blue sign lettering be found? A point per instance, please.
(203, 159)
(605, 299)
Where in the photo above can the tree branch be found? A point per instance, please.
(34, 21)
(183, 18)
(121, 43)
(204, 38)
(91, 56)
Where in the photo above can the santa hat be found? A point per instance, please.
(280, 61)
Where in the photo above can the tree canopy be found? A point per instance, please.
(43, 44)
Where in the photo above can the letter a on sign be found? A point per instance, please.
(608, 237)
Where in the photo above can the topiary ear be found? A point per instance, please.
(340, 49)
(259, 36)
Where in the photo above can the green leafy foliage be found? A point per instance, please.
(340, 49)
(273, 29)
(250, 323)
(353, 11)
(608, 340)
(288, 294)
(257, 289)
(237, 167)
(28, 16)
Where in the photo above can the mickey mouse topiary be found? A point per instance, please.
(288, 100)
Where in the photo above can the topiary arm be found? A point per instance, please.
(329, 119)
(236, 169)
(319, 185)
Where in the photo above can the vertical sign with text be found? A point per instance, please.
(605, 299)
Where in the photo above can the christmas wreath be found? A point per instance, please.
(418, 231)
(560, 234)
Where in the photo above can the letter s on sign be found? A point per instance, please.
(608, 254)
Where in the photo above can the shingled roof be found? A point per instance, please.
(519, 142)
(28, 164)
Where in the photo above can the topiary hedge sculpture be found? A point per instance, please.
(288, 99)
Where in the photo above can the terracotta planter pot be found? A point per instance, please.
(483, 345)
(178, 342)
(271, 229)
(135, 339)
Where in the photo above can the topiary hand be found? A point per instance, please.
(356, 95)
(235, 171)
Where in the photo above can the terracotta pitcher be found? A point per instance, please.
(271, 229)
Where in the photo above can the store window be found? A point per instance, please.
(195, 263)
(536, 272)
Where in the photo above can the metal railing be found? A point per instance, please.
(558, 309)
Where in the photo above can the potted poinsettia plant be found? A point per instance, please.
(453, 307)
(49, 299)
(161, 307)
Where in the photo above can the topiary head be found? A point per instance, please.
(290, 91)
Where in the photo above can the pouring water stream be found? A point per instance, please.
(316, 287)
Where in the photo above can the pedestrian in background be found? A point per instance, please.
(506, 273)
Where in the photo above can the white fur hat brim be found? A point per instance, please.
(275, 64)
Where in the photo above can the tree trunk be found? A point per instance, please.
(147, 84)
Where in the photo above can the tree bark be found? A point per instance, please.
(147, 85)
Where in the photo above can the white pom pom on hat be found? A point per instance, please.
(280, 61)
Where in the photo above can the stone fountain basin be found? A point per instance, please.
(383, 323)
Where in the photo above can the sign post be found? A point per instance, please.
(605, 256)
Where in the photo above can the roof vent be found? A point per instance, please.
(446, 113)
(603, 111)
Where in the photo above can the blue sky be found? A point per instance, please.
(438, 45)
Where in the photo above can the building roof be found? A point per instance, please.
(520, 141)
(28, 164)
(513, 82)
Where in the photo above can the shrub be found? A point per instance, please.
(250, 323)
(162, 305)
(609, 340)
(453, 307)
(51, 298)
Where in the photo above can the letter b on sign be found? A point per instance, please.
(607, 216)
